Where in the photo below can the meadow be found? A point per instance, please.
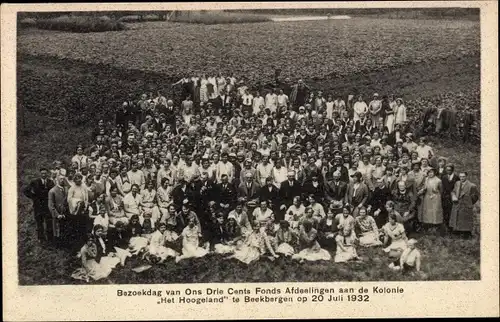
(67, 81)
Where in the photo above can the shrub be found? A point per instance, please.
(212, 18)
(81, 24)
(27, 22)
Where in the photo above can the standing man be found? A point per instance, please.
(299, 94)
(464, 196)
(38, 192)
(58, 207)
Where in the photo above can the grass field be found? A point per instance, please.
(93, 72)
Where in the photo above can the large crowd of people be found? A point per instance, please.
(250, 173)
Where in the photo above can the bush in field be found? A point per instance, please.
(81, 24)
(139, 18)
(212, 18)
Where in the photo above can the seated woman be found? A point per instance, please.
(95, 209)
(317, 208)
(102, 219)
(308, 244)
(309, 215)
(148, 201)
(410, 260)
(137, 242)
(90, 267)
(184, 216)
(157, 252)
(264, 215)
(147, 224)
(346, 243)
(239, 214)
(346, 237)
(345, 218)
(114, 203)
(327, 229)
(286, 239)
(118, 241)
(132, 202)
(191, 241)
(164, 198)
(389, 206)
(98, 260)
(369, 234)
(224, 235)
(254, 246)
(169, 217)
(295, 213)
(395, 238)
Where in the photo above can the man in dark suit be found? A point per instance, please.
(335, 189)
(38, 192)
(249, 189)
(226, 195)
(448, 181)
(270, 193)
(288, 190)
(180, 193)
(204, 192)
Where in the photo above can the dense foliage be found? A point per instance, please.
(83, 24)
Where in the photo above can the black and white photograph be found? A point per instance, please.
(248, 146)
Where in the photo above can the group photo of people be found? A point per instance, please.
(249, 173)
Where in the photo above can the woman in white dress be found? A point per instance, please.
(264, 215)
(191, 241)
(97, 258)
(308, 243)
(346, 237)
(132, 202)
(158, 253)
(400, 113)
(91, 269)
(395, 238)
(369, 234)
(203, 90)
(295, 213)
(255, 245)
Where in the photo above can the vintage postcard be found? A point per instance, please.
(249, 160)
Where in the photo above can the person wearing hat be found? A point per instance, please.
(399, 150)
(357, 193)
(410, 145)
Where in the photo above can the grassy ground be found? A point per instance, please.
(96, 87)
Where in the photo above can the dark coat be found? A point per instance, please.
(335, 192)
(225, 195)
(39, 194)
(287, 193)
